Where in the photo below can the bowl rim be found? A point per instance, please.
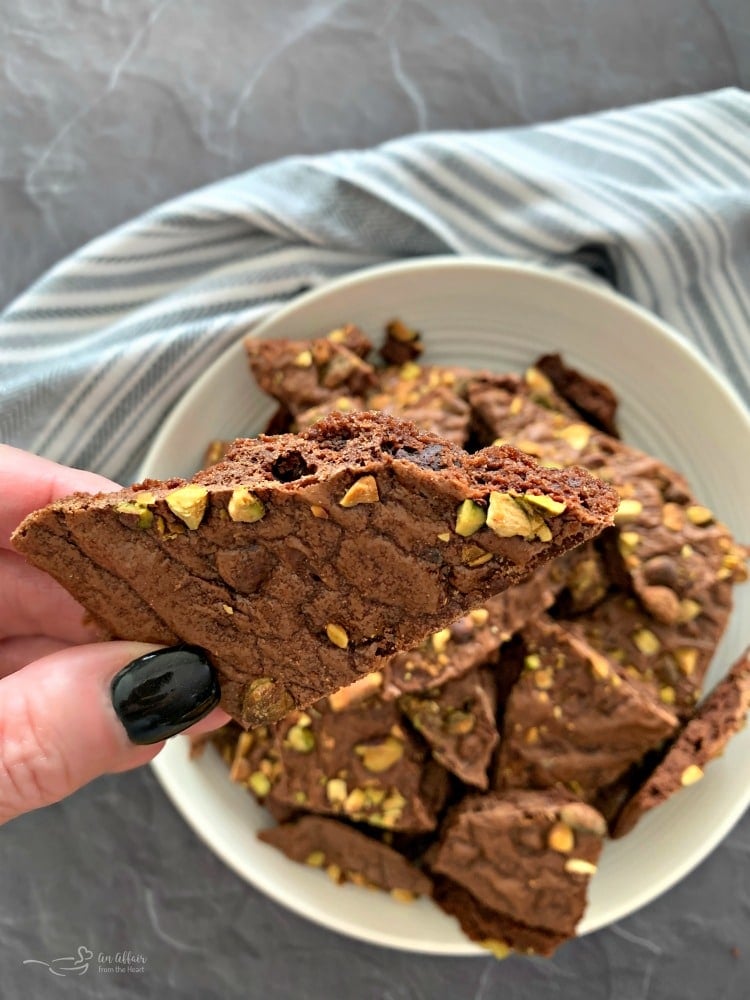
(162, 765)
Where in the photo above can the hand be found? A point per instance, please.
(62, 721)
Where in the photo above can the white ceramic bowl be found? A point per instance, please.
(501, 316)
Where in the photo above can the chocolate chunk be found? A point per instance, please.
(722, 714)
(358, 571)
(348, 856)
(527, 856)
(572, 721)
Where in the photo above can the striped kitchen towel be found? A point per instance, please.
(654, 199)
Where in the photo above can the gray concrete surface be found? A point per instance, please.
(109, 107)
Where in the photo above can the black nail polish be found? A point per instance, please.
(160, 694)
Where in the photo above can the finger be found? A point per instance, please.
(16, 652)
(78, 713)
(32, 603)
(28, 482)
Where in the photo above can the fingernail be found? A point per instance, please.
(160, 694)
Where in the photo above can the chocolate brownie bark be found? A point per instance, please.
(357, 758)
(668, 662)
(457, 721)
(722, 714)
(594, 400)
(666, 548)
(525, 855)
(301, 561)
(347, 855)
(305, 373)
(572, 720)
(470, 641)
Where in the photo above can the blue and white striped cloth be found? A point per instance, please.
(655, 199)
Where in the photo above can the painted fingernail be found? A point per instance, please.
(160, 694)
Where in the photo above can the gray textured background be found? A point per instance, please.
(109, 107)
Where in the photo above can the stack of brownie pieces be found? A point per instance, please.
(485, 766)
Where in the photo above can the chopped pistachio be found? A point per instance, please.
(334, 873)
(355, 692)
(627, 543)
(687, 658)
(460, 723)
(628, 510)
(304, 359)
(364, 490)
(690, 775)
(188, 503)
(479, 616)
(377, 757)
(245, 506)
(667, 694)
(316, 859)
(259, 783)
(440, 640)
(336, 791)
(689, 610)
(228, 609)
(496, 947)
(561, 838)
(317, 511)
(532, 661)
(403, 895)
(576, 435)
(599, 666)
(579, 866)
(545, 503)
(301, 738)
(699, 515)
(507, 517)
(469, 519)
(646, 641)
(410, 371)
(444, 536)
(544, 679)
(673, 516)
(538, 382)
(337, 635)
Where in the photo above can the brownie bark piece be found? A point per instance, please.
(719, 717)
(497, 932)
(470, 641)
(666, 661)
(402, 343)
(348, 855)
(301, 561)
(667, 548)
(594, 400)
(527, 855)
(572, 721)
(357, 759)
(457, 721)
(305, 373)
(430, 396)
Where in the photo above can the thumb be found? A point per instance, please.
(87, 710)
